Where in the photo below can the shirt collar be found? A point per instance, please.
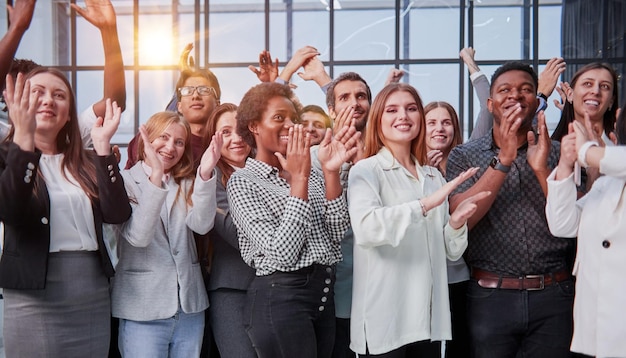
(260, 168)
(148, 170)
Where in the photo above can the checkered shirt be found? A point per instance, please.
(279, 232)
(513, 237)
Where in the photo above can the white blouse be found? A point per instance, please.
(400, 292)
(71, 214)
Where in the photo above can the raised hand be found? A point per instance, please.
(210, 156)
(151, 158)
(437, 198)
(394, 76)
(299, 59)
(509, 125)
(568, 154)
(21, 13)
(467, 55)
(550, 75)
(338, 149)
(466, 209)
(342, 119)
(587, 131)
(297, 165)
(314, 70)
(538, 150)
(434, 157)
(268, 69)
(22, 105)
(99, 13)
(104, 128)
(186, 62)
(563, 89)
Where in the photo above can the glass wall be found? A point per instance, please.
(370, 37)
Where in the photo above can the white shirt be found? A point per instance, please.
(599, 221)
(71, 215)
(400, 292)
(86, 120)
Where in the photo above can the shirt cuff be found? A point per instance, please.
(475, 75)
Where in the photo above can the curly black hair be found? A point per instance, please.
(254, 104)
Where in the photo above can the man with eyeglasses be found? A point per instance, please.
(197, 94)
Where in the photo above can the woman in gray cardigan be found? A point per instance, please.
(158, 291)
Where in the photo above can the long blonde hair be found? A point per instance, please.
(156, 125)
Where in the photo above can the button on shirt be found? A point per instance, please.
(279, 232)
(513, 237)
(71, 220)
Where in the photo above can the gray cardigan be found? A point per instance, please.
(158, 266)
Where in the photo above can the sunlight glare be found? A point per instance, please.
(155, 46)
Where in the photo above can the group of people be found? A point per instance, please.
(275, 229)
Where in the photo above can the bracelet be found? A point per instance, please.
(582, 152)
(423, 207)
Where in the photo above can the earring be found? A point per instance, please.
(67, 139)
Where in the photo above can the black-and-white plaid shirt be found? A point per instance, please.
(279, 232)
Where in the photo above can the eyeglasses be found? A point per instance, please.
(202, 91)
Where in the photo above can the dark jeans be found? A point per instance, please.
(422, 349)
(292, 314)
(342, 339)
(523, 323)
(459, 346)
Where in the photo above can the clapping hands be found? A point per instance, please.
(104, 128)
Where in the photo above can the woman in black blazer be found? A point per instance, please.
(54, 197)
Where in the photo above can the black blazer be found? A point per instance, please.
(26, 215)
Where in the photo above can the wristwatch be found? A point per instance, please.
(497, 165)
(539, 94)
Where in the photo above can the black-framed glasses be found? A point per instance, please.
(202, 91)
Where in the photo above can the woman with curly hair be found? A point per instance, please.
(290, 221)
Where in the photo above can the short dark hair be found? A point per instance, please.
(204, 73)
(513, 66)
(254, 103)
(346, 76)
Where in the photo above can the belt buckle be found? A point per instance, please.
(541, 282)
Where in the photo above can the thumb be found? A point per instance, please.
(327, 137)
(281, 159)
(99, 121)
(613, 137)
(253, 69)
(530, 136)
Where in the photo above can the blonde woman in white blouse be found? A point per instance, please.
(403, 234)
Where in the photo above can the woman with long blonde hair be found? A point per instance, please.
(158, 291)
